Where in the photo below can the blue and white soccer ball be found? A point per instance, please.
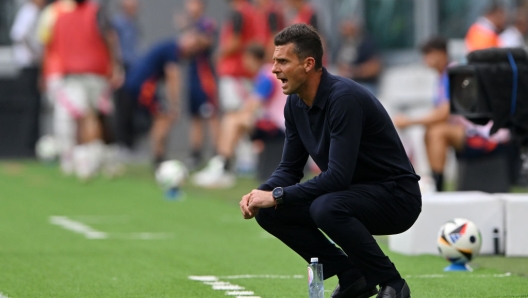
(171, 174)
(459, 240)
(47, 149)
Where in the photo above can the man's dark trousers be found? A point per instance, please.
(349, 218)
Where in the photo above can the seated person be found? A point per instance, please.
(444, 130)
(261, 114)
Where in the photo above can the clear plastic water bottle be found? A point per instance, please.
(315, 279)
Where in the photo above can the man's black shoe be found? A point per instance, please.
(358, 289)
(390, 292)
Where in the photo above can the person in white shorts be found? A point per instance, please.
(86, 63)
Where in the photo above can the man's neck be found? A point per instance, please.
(308, 93)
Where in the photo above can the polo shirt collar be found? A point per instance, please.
(321, 97)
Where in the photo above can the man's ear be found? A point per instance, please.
(309, 64)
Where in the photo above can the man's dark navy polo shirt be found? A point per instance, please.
(350, 137)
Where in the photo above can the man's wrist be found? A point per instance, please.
(278, 196)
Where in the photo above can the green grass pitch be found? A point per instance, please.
(152, 245)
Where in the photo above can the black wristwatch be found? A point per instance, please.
(278, 195)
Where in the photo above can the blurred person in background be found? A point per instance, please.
(156, 70)
(201, 80)
(238, 31)
(444, 130)
(261, 115)
(51, 61)
(28, 53)
(484, 33)
(86, 49)
(128, 31)
(270, 13)
(515, 35)
(126, 26)
(303, 13)
(358, 58)
(436, 57)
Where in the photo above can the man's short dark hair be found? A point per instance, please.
(434, 44)
(256, 50)
(306, 40)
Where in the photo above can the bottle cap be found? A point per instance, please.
(314, 260)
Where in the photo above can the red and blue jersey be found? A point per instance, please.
(151, 67)
(201, 77)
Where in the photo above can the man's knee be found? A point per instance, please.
(435, 132)
(323, 209)
(265, 218)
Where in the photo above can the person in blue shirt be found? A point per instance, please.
(367, 185)
(443, 130)
(128, 31)
(436, 57)
(159, 67)
(201, 81)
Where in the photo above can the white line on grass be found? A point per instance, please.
(77, 227)
(90, 233)
(240, 293)
(270, 276)
(103, 219)
(2, 295)
(218, 285)
(142, 236)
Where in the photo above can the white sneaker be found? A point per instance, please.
(112, 163)
(66, 163)
(214, 175)
(87, 159)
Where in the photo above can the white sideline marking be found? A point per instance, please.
(90, 233)
(103, 219)
(77, 227)
(240, 293)
(141, 236)
(2, 295)
(251, 276)
(218, 285)
(228, 287)
(203, 278)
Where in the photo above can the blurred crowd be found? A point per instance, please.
(104, 91)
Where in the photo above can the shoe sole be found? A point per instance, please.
(367, 294)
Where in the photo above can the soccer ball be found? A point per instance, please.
(47, 149)
(459, 240)
(171, 174)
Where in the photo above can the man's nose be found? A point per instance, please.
(275, 69)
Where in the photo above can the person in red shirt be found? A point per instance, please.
(269, 12)
(238, 31)
(304, 13)
(87, 61)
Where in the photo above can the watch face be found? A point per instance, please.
(277, 192)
